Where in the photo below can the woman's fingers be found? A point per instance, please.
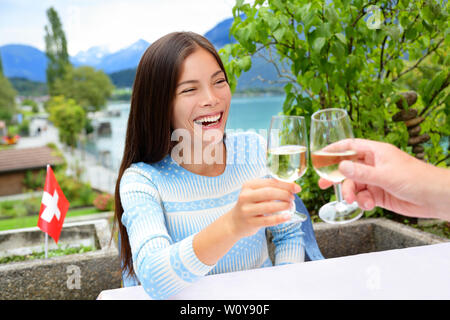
(261, 183)
(270, 193)
(274, 219)
(260, 199)
(266, 207)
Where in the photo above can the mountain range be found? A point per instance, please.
(23, 61)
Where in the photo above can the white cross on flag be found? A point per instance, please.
(53, 207)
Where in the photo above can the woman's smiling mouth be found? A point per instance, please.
(209, 121)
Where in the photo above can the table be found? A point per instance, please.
(411, 273)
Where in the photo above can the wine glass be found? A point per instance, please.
(329, 127)
(287, 153)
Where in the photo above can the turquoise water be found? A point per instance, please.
(245, 114)
(253, 113)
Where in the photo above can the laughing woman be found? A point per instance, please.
(200, 206)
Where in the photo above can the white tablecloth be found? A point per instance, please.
(411, 273)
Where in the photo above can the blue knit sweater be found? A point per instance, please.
(165, 205)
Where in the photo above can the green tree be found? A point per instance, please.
(350, 54)
(90, 88)
(7, 97)
(1, 66)
(55, 49)
(68, 117)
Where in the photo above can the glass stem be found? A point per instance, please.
(340, 204)
(338, 192)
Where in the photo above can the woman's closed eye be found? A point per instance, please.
(220, 81)
(187, 90)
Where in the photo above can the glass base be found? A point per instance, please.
(296, 216)
(340, 212)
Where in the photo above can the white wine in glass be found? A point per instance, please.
(287, 163)
(326, 163)
(287, 153)
(328, 128)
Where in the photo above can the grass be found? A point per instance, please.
(26, 222)
(440, 229)
(51, 253)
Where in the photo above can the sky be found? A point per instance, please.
(113, 24)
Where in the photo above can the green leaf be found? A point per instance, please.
(323, 30)
(427, 14)
(331, 15)
(338, 50)
(318, 44)
(301, 12)
(393, 31)
(316, 84)
(447, 36)
(341, 37)
(433, 85)
(410, 33)
(279, 34)
(245, 63)
(272, 21)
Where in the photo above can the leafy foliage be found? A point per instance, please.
(104, 202)
(29, 88)
(7, 95)
(55, 49)
(68, 117)
(351, 54)
(123, 78)
(90, 88)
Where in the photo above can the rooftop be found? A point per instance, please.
(29, 158)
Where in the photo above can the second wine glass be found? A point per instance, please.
(287, 153)
(329, 127)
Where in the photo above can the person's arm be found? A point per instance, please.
(163, 267)
(251, 213)
(287, 238)
(387, 177)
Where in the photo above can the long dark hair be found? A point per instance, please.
(148, 137)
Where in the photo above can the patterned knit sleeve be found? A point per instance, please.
(288, 241)
(162, 266)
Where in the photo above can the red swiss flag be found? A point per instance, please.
(53, 207)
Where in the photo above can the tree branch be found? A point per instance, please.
(419, 61)
(347, 91)
(444, 85)
(362, 13)
(404, 31)
(381, 57)
(283, 75)
(443, 159)
(437, 106)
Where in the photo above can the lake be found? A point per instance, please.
(251, 113)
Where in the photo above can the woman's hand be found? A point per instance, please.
(258, 200)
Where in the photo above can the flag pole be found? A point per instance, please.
(46, 234)
(46, 245)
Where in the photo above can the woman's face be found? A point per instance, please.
(202, 96)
